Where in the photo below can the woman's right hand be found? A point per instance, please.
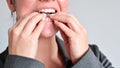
(24, 35)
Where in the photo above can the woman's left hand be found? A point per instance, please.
(73, 33)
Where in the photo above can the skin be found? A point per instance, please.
(33, 32)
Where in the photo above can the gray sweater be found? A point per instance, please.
(92, 59)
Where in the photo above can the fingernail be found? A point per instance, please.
(44, 17)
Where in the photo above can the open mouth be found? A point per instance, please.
(48, 11)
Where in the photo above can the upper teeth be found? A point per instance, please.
(49, 11)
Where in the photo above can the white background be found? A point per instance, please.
(100, 17)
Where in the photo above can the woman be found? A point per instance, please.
(33, 42)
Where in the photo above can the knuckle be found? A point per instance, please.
(85, 31)
(69, 17)
(23, 36)
(15, 32)
(31, 20)
(9, 30)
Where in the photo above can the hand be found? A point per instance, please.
(23, 36)
(73, 33)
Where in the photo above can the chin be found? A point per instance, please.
(48, 34)
(49, 31)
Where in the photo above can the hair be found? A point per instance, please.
(12, 2)
(13, 12)
(13, 16)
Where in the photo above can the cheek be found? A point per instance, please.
(24, 7)
(63, 5)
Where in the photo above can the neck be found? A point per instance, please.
(47, 47)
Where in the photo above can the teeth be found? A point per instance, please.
(47, 11)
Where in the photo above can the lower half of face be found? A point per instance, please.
(23, 8)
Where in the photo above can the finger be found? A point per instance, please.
(68, 19)
(14, 26)
(32, 23)
(66, 41)
(22, 21)
(63, 35)
(39, 29)
(64, 28)
(14, 30)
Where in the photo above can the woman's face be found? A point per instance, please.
(25, 7)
